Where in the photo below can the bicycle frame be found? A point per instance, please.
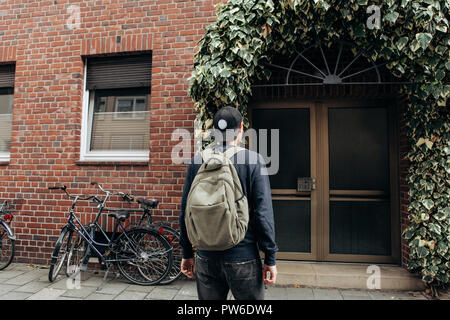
(4, 222)
(75, 224)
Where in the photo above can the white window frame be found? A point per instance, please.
(101, 156)
(6, 156)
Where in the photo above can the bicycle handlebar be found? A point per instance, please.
(125, 196)
(77, 197)
(58, 188)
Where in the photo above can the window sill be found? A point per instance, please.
(4, 158)
(111, 163)
(115, 157)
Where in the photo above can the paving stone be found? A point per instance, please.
(131, 295)
(25, 278)
(9, 274)
(300, 294)
(13, 295)
(47, 294)
(276, 293)
(177, 285)
(60, 283)
(4, 288)
(100, 296)
(326, 294)
(411, 296)
(184, 297)
(188, 289)
(33, 286)
(83, 292)
(396, 295)
(92, 281)
(382, 295)
(139, 288)
(355, 295)
(67, 298)
(114, 288)
(44, 277)
(162, 294)
(20, 267)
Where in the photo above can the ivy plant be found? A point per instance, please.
(412, 35)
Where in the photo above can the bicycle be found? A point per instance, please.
(171, 234)
(7, 237)
(142, 256)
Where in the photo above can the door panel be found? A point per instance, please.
(358, 149)
(294, 218)
(294, 148)
(293, 213)
(360, 227)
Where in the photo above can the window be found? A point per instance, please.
(6, 105)
(116, 119)
(116, 113)
(130, 108)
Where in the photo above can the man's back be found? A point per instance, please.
(256, 187)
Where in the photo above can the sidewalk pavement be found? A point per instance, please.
(28, 282)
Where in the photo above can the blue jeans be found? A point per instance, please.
(215, 277)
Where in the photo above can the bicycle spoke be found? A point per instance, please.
(150, 257)
(6, 248)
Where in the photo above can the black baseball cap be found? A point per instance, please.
(227, 118)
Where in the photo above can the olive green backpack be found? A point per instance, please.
(216, 214)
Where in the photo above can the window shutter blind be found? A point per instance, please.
(119, 72)
(7, 76)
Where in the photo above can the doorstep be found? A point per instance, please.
(345, 276)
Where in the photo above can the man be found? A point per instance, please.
(238, 268)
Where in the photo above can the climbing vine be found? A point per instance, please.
(412, 35)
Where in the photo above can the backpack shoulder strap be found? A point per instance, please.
(208, 153)
(232, 151)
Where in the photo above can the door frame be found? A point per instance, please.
(320, 197)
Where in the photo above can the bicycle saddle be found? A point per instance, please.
(149, 203)
(119, 215)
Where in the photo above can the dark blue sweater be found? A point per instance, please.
(261, 231)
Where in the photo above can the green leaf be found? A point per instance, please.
(447, 65)
(435, 228)
(442, 214)
(422, 252)
(428, 203)
(442, 247)
(391, 17)
(424, 39)
(402, 42)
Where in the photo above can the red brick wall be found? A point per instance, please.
(48, 104)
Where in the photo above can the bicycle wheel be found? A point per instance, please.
(7, 246)
(173, 237)
(60, 253)
(77, 252)
(145, 257)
